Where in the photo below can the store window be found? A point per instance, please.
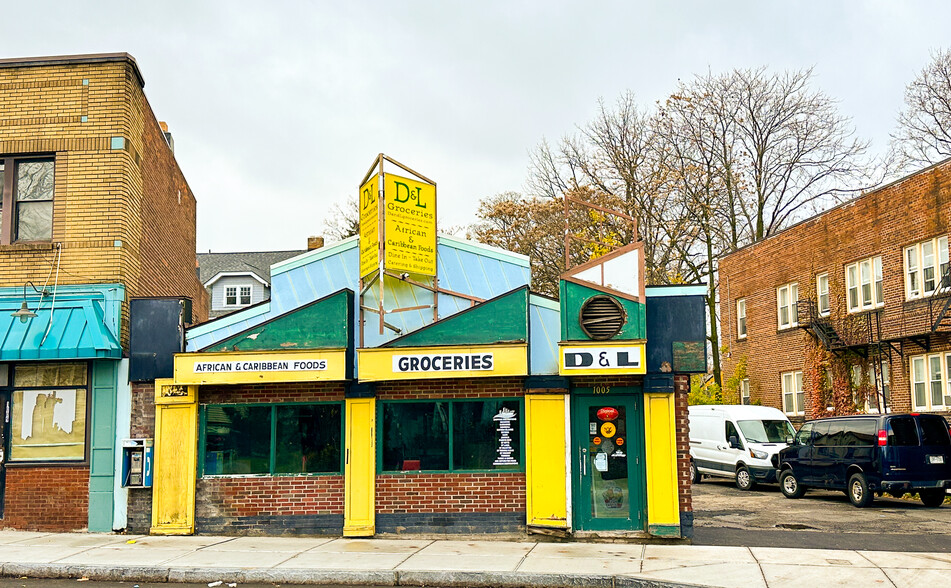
(26, 199)
(926, 268)
(272, 439)
(48, 412)
(863, 282)
(451, 435)
(741, 318)
(786, 297)
(794, 400)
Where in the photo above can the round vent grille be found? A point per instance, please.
(602, 317)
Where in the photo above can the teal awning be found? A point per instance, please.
(77, 330)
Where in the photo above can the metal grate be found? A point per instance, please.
(602, 317)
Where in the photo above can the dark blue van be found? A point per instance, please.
(864, 455)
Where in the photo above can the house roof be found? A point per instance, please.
(254, 262)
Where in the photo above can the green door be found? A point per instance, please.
(608, 479)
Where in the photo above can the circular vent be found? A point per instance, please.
(602, 317)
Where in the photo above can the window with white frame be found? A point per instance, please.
(741, 318)
(926, 265)
(787, 313)
(238, 295)
(245, 295)
(794, 400)
(231, 295)
(879, 386)
(931, 381)
(822, 293)
(863, 284)
(745, 391)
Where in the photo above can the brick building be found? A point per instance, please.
(94, 211)
(848, 310)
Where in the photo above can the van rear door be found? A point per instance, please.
(934, 452)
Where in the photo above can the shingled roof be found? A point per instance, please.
(256, 262)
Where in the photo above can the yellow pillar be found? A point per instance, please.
(359, 511)
(546, 476)
(175, 459)
(663, 504)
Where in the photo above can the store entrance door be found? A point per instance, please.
(4, 433)
(608, 483)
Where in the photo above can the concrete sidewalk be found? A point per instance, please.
(424, 562)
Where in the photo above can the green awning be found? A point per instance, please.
(78, 331)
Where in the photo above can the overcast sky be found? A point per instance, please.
(279, 108)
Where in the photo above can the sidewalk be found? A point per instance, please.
(424, 562)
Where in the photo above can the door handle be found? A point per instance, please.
(584, 462)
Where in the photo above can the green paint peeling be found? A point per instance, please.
(323, 324)
(573, 296)
(503, 319)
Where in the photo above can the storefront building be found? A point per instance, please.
(468, 405)
(93, 212)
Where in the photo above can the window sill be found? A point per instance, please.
(244, 476)
(787, 328)
(11, 465)
(448, 472)
(30, 246)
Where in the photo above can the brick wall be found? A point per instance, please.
(882, 223)
(139, 512)
(51, 499)
(119, 215)
(682, 436)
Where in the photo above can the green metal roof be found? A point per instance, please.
(73, 326)
(503, 319)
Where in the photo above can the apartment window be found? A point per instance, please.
(26, 199)
(931, 381)
(245, 295)
(926, 267)
(786, 297)
(451, 435)
(238, 295)
(863, 283)
(745, 391)
(880, 383)
(794, 400)
(231, 295)
(271, 439)
(822, 293)
(48, 412)
(741, 318)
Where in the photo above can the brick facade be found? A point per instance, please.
(122, 213)
(879, 223)
(51, 499)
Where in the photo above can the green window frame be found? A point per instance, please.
(274, 457)
(452, 405)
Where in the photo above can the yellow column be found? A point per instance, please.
(663, 505)
(359, 509)
(175, 459)
(546, 475)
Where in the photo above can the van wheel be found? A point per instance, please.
(790, 485)
(744, 479)
(932, 498)
(858, 491)
(695, 476)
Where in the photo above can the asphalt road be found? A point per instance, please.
(763, 517)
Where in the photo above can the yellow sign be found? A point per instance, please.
(422, 363)
(601, 358)
(269, 366)
(608, 430)
(409, 226)
(369, 227)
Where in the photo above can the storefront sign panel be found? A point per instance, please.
(602, 359)
(416, 363)
(247, 368)
(369, 227)
(409, 226)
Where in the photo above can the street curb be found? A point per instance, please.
(442, 579)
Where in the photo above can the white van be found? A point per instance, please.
(737, 441)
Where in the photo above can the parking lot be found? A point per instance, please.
(725, 515)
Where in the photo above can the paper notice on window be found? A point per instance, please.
(601, 462)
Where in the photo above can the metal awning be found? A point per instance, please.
(75, 329)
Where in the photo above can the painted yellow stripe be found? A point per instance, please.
(545, 470)
(663, 505)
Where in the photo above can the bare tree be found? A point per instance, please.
(923, 136)
(344, 221)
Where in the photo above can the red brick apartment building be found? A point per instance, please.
(847, 311)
